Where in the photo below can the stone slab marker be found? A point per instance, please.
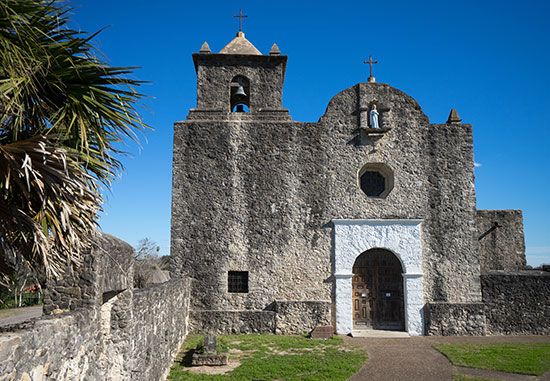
(322, 332)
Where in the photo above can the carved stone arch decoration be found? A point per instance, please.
(376, 180)
(239, 94)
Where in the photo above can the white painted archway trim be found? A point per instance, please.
(403, 238)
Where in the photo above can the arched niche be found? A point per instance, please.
(239, 94)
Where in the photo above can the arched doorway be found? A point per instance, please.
(377, 291)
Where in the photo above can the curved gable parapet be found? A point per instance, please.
(354, 105)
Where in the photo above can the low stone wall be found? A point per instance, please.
(60, 348)
(298, 317)
(97, 327)
(160, 316)
(282, 317)
(455, 319)
(517, 302)
(230, 322)
(106, 268)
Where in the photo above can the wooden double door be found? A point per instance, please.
(377, 291)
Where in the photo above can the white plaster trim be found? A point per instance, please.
(403, 238)
(375, 222)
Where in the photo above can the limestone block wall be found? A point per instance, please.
(215, 72)
(299, 317)
(102, 329)
(501, 240)
(107, 268)
(282, 317)
(160, 324)
(231, 322)
(258, 195)
(452, 263)
(455, 319)
(517, 302)
(58, 348)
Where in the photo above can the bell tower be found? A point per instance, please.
(240, 79)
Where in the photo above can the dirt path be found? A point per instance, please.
(19, 315)
(414, 358)
(402, 359)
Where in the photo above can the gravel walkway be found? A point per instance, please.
(19, 315)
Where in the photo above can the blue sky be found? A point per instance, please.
(488, 59)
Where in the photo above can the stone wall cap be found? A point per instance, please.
(522, 273)
(240, 45)
(488, 211)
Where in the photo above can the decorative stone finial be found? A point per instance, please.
(453, 117)
(205, 49)
(275, 51)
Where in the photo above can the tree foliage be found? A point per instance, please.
(63, 113)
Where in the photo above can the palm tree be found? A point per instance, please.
(63, 112)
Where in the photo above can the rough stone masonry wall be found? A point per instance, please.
(259, 196)
(215, 72)
(97, 328)
(452, 263)
(299, 317)
(517, 302)
(455, 319)
(231, 322)
(160, 316)
(501, 241)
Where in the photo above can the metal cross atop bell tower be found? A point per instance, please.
(241, 16)
(371, 62)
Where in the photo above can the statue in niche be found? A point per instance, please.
(374, 117)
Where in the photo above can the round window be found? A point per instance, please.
(376, 180)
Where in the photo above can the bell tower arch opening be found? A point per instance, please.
(377, 291)
(239, 94)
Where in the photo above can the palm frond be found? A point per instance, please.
(63, 113)
(47, 194)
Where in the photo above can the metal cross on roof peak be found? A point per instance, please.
(370, 62)
(241, 16)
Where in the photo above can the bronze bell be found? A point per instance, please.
(240, 91)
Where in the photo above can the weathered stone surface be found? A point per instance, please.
(209, 343)
(106, 267)
(254, 195)
(299, 317)
(209, 359)
(322, 332)
(257, 191)
(160, 315)
(107, 333)
(231, 322)
(517, 302)
(215, 72)
(451, 319)
(501, 241)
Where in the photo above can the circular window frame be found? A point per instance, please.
(385, 171)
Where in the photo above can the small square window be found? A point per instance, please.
(237, 281)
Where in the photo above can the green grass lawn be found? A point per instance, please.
(272, 357)
(533, 358)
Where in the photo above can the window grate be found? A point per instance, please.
(237, 281)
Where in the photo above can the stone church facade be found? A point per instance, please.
(286, 225)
